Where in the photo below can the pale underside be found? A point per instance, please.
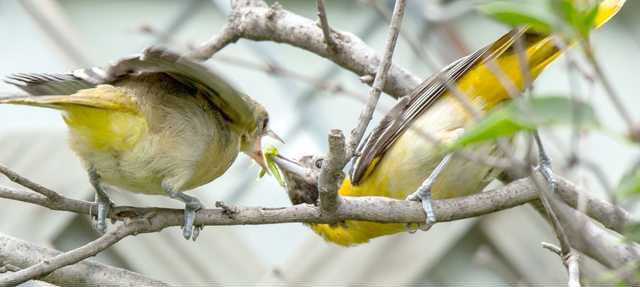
(169, 144)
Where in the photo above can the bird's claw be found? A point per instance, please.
(189, 230)
(427, 206)
(104, 206)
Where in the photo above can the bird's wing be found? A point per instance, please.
(51, 84)
(417, 102)
(232, 103)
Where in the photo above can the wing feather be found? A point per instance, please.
(235, 105)
(48, 84)
(411, 106)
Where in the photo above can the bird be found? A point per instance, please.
(152, 123)
(399, 158)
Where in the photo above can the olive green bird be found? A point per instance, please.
(153, 123)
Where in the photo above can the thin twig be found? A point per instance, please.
(380, 78)
(552, 247)
(15, 177)
(571, 262)
(281, 71)
(332, 47)
(432, 63)
(611, 93)
(547, 202)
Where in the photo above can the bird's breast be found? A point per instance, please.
(178, 144)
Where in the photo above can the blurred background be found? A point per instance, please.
(499, 249)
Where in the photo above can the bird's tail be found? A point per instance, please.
(104, 97)
(57, 102)
(606, 10)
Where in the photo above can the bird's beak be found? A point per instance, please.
(290, 166)
(270, 133)
(256, 155)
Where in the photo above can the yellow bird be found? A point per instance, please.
(397, 160)
(153, 123)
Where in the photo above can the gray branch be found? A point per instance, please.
(21, 254)
(326, 30)
(603, 245)
(261, 23)
(380, 79)
(331, 175)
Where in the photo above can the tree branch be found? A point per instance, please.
(261, 23)
(90, 249)
(331, 175)
(17, 253)
(13, 176)
(326, 30)
(608, 246)
(380, 78)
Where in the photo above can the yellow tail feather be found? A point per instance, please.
(104, 97)
(606, 10)
(105, 117)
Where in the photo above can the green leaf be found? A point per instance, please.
(578, 15)
(528, 115)
(268, 153)
(630, 184)
(516, 14)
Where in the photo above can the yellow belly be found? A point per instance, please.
(185, 148)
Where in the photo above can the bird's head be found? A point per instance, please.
(252, 141)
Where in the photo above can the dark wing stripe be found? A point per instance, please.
(418, 101)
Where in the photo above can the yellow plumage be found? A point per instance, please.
(411, 158)
(158, 124)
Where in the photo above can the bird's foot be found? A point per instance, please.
(424, 196)
(104, 206)
(191, 206)
(189, 230)
(544, 165)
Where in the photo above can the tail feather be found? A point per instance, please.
(606, 10)
(36, 84)
(103, 97)
(52, 102)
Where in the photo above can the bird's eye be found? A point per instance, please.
(318, 163)
(265, 123)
